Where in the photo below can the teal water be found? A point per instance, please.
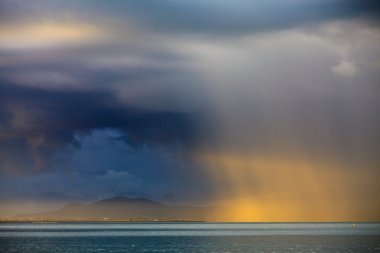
(190, 237)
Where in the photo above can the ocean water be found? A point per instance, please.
(190, 237)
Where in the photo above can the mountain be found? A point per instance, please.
(24, 202)
(123, 208)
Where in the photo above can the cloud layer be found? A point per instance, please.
(149, 98)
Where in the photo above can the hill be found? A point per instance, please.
(24, 202)
(121, 208)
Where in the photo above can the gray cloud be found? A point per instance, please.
(292, 76)
(214, 17)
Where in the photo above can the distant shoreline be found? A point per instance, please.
(52, 221)
(57, 221)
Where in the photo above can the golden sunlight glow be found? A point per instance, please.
(288, 188)
(45, 35)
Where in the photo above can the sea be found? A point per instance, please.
(190, 237)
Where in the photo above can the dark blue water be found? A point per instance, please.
(190, 237)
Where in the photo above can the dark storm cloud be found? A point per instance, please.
(106, 165)
(35, 123)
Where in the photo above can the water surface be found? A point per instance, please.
(190, 237)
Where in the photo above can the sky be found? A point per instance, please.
(269, 108)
